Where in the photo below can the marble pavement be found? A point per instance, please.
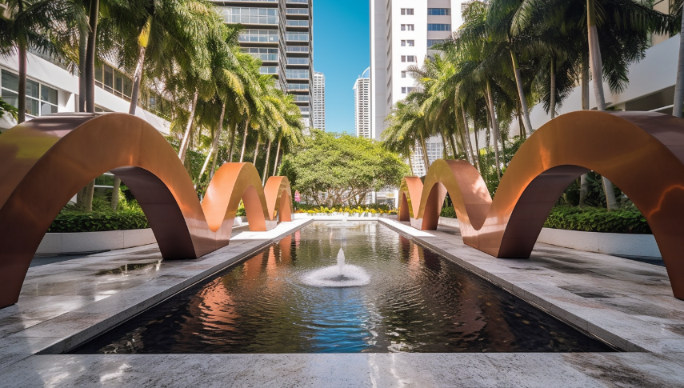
(625, 303)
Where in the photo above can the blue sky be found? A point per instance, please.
(342, 53)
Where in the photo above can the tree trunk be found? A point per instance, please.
(426, 160)
(188, 128)
(477, 148)
(495, 127)
(444, 146)
(597, 74)
(410, 164)
(453, 148)
(232, 144)
(21, 114)
(521, 94)
(275, 162)
(244, 141)
(466, 132)
(679, 84)
(137, 79)
(115, 193)
(584, 183)
(214, 143)
(552, 91)
(268, 157)
(89, 191)
(82, 44)
(256, 150)
(90, 56)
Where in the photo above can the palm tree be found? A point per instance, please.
(27, 25)
(676, 12)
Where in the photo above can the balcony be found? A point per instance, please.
(297, 37)
(296, 74)
(297, 23)
(298, 61)
(297, 11)
(297, 49)
(298, 87)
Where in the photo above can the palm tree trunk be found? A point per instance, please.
(552, 91)
(410, 154)
(275, 162)
(188, 128)
(268, 157)
(137, 78)
(444, 146)
(232, 144)
(475, 160)
(21, 114)
(256, 150)
(477, 148)
(495, 127)
(584, 182)
(679, 84)
(453, 147)
(90, 56)
(214, 144)
(244, 142)
(521, 94)
(597, 74)
(115, 193)
(82, 43)
(426, 160)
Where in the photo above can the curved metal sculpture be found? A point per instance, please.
(45, 161)
(641, 152)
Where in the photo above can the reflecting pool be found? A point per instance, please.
(415, 301)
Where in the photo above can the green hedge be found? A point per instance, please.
(589, 219)
(598, 220)
(73, 222)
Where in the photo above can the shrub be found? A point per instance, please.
(351, 210)
(597, 220)
(74, 222)
(448, 211)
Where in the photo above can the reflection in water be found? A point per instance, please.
(416, 301)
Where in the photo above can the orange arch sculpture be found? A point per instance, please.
(641, 152)
(44, 162)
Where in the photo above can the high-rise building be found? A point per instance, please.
(280, 33)
(319, 101)
(402, 34)
(362, 110)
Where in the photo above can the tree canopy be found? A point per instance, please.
(333, 169)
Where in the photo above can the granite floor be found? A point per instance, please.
(624, 302)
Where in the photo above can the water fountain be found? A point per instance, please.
(340, 275)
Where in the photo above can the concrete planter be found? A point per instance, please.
(639, 245)
(60, 243)
(63, 243)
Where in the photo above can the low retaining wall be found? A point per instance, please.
(60, 243)
(620, 244)
(65, 243)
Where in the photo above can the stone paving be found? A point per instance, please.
(626, 303)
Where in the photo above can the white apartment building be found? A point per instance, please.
(52, 89)
(319, 101)
(280, 34)
(362, 108)
(402, 32)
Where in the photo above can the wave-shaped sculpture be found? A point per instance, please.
(45, 161)
(641, 152)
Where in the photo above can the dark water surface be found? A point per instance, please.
(417, 301)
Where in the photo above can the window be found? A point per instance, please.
(408, 58)
(262, 36)
(432, 42)
(264, 54)
(297, 36)
(244, 15)
(407, 11)
(113, 81)
(439, 27)
(439, 11)
(268, 70)
(409, 43)
(403, 74)
(297, 74)
(407, 27)
(405, 90)
(40, 99)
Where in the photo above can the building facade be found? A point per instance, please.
(402, 34)
(280, 34)
(319, 101)
(362, 107)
